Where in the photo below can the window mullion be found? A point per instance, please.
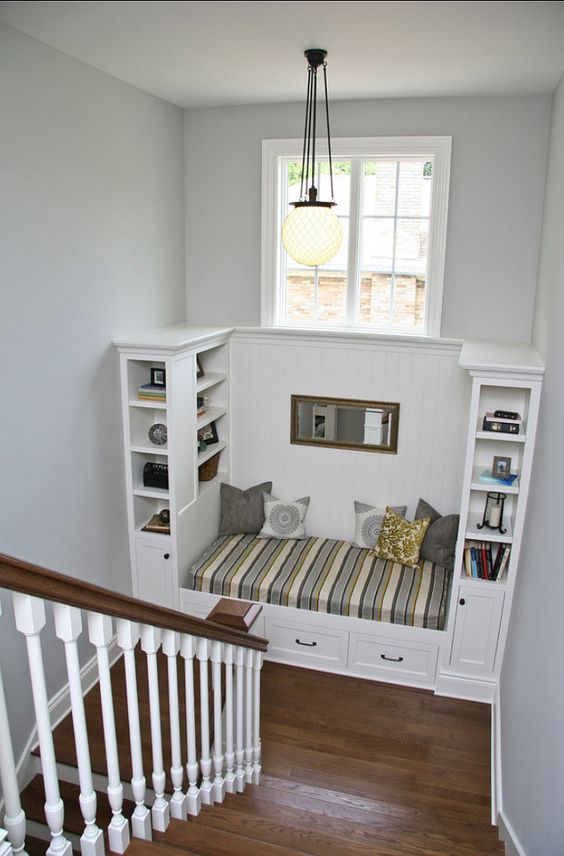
(353, 259)
(393, 277)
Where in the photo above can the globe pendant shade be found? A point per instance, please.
(312, 234)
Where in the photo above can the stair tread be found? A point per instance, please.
(138, 847)
(38, 846)
(199, 838)
(33, 802)
(303, 831)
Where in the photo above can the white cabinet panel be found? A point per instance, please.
(478, 619)
(155, 572)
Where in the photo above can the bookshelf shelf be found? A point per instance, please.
(148, 405)
(210, 379)
(485, 534)
(210, 452)
(476, 484)
(211, 414)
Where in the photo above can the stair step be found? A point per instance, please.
(153, 848)
(33, 802)
(37, 846)
(197, 837)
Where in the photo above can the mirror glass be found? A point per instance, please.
(343, 423)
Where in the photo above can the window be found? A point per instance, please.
(392, 198)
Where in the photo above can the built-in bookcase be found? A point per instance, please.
(156, 556)
(503, 378)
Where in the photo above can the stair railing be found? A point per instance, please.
(226, 766)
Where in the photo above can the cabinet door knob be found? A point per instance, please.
(166, 556)
(462, 601)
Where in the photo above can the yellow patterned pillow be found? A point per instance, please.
(400, 540)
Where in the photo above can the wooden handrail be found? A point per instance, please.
(39, 582)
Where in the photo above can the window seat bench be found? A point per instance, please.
(329, 604)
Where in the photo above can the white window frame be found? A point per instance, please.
(436, 149)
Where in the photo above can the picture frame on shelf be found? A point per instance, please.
(199, 370)
(158, 376)
(501, 467)
(208, 434)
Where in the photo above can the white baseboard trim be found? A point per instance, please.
(507, 834)
(29, 765)
(455, 686)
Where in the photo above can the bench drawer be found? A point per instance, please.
(316, 646)
(390, 659)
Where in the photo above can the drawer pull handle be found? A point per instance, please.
(307, 644)
(392, 659)
(166, 556)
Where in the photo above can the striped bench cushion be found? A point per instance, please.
(323, 575)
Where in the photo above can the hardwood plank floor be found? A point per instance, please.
(350, 768)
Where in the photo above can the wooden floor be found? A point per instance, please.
(350, 768)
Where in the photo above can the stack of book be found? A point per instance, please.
(156, 524)
(150, 392)
(502, 421)
(479, 562)
(488, 477)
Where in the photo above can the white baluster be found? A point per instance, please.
(193, 798)
(257, 666)
(128, 637)
(206, 792)
(150, 643)
(100, 633)
(218, 782)
(14, 818)
(249, 716)
(230, 784)
(5, 846)
(178, 803)
(30, 620)
(239, 750)
(68, 627)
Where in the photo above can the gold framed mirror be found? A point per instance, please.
(345, 423)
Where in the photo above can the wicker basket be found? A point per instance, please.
(208, 470)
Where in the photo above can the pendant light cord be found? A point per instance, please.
(305, 163)
(328, 131)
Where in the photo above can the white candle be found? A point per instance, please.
(495, 515)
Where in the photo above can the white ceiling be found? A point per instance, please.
(218, 53)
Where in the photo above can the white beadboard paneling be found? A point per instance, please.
(428, 384)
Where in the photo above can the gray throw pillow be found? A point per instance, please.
(368, 522)
(242, 511)
(284, 518)
(439, 544)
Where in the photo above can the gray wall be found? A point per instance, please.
(91, 246)
(498, 170)
(532, 682)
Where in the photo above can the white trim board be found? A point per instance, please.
(513, 846)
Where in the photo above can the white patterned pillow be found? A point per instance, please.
(284, 518)
(368, 522)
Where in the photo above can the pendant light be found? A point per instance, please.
(312, 233)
